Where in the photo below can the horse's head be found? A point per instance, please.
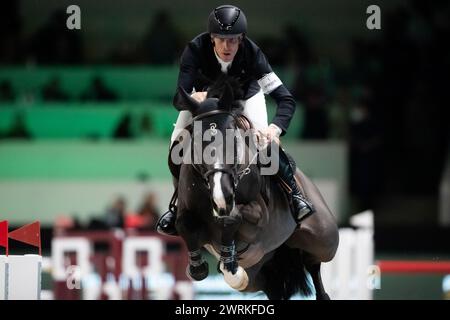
(216, 144)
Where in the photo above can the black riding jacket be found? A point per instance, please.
(250, 65)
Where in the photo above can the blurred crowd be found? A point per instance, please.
(52, 91)
(117, 215)
(54, 44)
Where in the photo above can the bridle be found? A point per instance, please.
(235, 174)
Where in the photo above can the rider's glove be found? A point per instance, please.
(273, 132)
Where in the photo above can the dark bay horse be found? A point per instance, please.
(239, 215)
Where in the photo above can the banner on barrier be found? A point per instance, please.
(29, 234)
(4, 235)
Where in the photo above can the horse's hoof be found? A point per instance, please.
(218, 268)
(238, 280)
(231, 267)
(324, 296)
(197, 273)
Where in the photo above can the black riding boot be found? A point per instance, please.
(166, 224)
(301, 206)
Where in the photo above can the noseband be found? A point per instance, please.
(233, 173)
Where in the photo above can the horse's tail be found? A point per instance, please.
(285, 274)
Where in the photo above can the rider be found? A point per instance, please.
(225, 48)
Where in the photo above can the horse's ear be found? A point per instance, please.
(190, 103)
(227, 98)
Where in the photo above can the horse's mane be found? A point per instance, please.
(224, 83)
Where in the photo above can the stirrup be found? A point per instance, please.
(167, 228)
(173, 210)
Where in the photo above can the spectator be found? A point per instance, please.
(149, 210)
(10, 31)
(147, 215)
(296, 46)
(123, 129)
(316, 117)
(124, 54)
(6, 92)
(145, 126)
(98, 91)
(162, 43)
(18, 129)
(54, 43)
(339, 114)
(115, 214)
(65, 223)
(53, 92)
(365, 165)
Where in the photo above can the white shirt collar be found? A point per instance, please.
(224, 65)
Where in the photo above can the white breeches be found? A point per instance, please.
(255, 110)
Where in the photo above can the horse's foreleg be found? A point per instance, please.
(198, 268)
(314, 271)
(234, 275)
(229, 226)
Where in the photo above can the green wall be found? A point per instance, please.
(42, 179)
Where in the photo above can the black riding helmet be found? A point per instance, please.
(227, 20)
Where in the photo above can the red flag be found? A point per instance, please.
(30, 233)
(4, 235)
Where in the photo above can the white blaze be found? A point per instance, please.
(218, 196)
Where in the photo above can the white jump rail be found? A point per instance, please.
(20, 277)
